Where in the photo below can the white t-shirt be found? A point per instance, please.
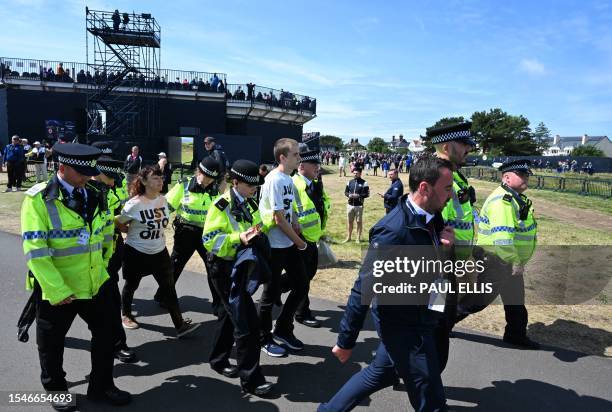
(342, 161)
(148, 219)
(277, 194)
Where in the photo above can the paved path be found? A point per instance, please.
(482, 375)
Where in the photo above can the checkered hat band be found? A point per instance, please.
(250, 179)
(110, 169)
(208, 171)
(311, 157)
(76, 162)
(461, 134)
(524, 166)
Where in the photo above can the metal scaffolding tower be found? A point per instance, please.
(124, 64)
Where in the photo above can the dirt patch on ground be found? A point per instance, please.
(583, 217)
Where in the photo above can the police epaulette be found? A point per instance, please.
(222, 203)
(37, 188)
(508, 197)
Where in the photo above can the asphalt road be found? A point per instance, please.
(483, 374)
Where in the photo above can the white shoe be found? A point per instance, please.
(14, 189)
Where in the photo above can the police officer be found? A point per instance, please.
(312, 209)
(407, 348)
(115, 184)
(191, 199)
(232, 222)
(66, 243)
(453, 143)
(507, 233)
(395, 191)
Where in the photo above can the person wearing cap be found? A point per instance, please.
(38, 156)
(311, 207)
(191, 199)
(166, 169)
(64, 223)
(280, 221)
(453, 143)
(144, 218)
(356, 190)
(111, 176)
(507, 233)
(234, 222)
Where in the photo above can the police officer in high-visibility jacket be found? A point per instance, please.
(311, 207)
(234, 220)
(453, 143)
(507, 232)
(191, 198)
(67, 244)
(111, 175)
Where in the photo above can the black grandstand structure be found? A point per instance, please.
(120, 93)
(123, 53)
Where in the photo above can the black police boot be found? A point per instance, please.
(522, 342)
(229, 371)
(63, 404)
(112, 395)
(126, 355)
(259, 390)
(309, 321)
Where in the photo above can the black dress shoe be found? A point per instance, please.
(64, 406)
(521, 341)
(113, 395)
(260, 390)
(230, 371)
(310, 321)
(126, 355)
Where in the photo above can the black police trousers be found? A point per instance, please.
(114, 265)
(224, 335)
(310, 257)
(289, 259)
(511, 289)
(187, 240)
(52, 325)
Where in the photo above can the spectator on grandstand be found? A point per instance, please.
(259, 97)
(60, 70)
(250, 91)
(220, 88)
(214, 81)
(116, 20)
(81, 78)
(126, 20)
(185, 84)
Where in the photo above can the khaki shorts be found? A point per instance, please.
(354, 212)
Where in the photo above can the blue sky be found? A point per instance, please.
(375, 69)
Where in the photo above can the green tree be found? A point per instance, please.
(499, 133)
(329, 140)
(587, 150)
(542, 136)
(446, 121)
(377, 144)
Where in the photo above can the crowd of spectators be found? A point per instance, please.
(285, 100)
(370, 162)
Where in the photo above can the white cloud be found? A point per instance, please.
(532, 66)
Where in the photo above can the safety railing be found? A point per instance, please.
(270, 97)
(72, 72)
(583, 186)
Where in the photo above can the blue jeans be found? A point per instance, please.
(407, 353)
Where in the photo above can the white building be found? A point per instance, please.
(563, 145)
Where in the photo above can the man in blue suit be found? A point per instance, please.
(407, 347)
